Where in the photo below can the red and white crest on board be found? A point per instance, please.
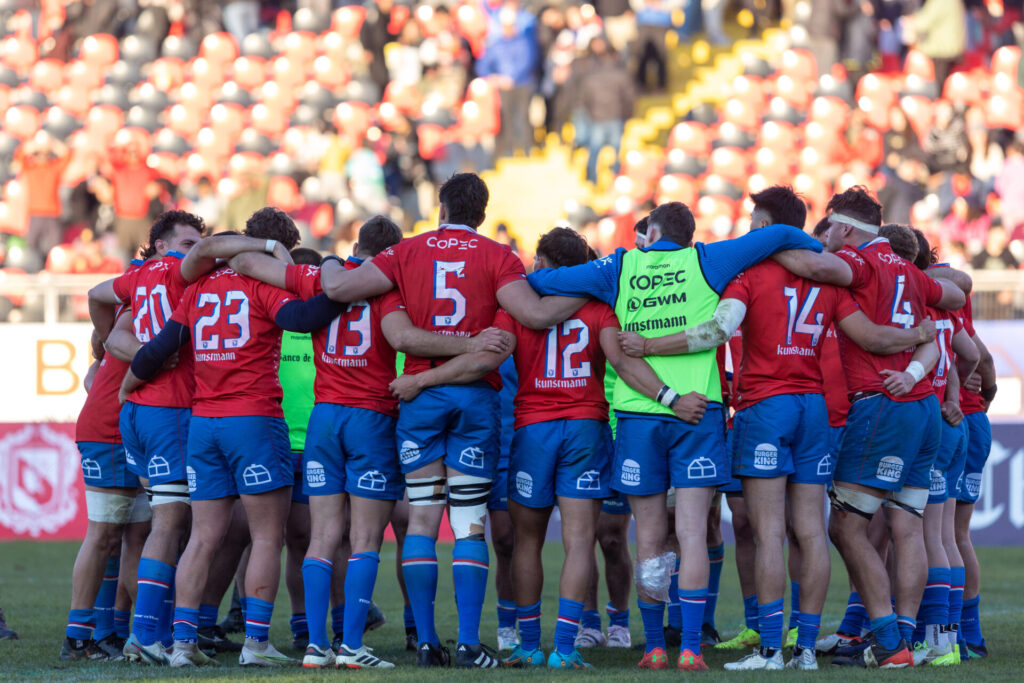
(38, 470)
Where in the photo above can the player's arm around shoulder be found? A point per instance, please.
(103, 299)
(534, 311)
(462, 369)
(364, 282)
(404, 336)
(705, 335)
(262, 267)
(122, 343)
(204, 256)
(818, 266)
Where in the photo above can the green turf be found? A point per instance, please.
(35, 584)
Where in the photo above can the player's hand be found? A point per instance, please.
(122, 395)
(690, 407)
(927, 330)
(951, 413)
(973, 383)
(98, 350)
(405, 387)
(632, 344)
(171, 362)
(492, 339)
(897, 383)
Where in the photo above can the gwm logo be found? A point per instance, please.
(38, 471)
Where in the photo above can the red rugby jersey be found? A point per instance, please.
(890, 291)
(448, 279)
(153, 291)
(947, 324)
(787, 318)
(561, 369)
(970, 402)
(100, 416)
(354, 362)
(837, 398)
(237, 344)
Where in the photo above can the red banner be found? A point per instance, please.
(42, 495)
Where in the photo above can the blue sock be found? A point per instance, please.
(693, 604)
(316, 581)
(653, 616)
(807, 630)
(675, 612)
(408, 619)
(568, 625)
(886, 631)
(935, 600)
(956, 598)
(123, 622)
(529, 626)
(794, 604)
(769, 618)
(591, 619)
(906, 626)
(616, 617)
(855, 617)
(716, 555)
(506, 613)
(257, 619)
(750, 612)
(919, 629)
(299, 626)
(155, 579)
(470, 562)
(207, 616)
(186, 621)
(338, 621)
(164, 632)
(419, 567)
(80, 624)
(359, 581)
(103, 608)
(970, 622)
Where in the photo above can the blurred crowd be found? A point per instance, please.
(335, 111)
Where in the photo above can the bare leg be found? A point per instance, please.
(972, 570)
(503, 541)
(807, 505)
(227, 559)
(210, 522)
(766, 505)
(908, 539)
(744, 545)
(530, 525)
(131, 550)
(849, 533)
(612, 535)
(651, 530)
(296, 540)
(579, 525)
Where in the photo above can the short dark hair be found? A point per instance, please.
(591, 254)
(675, 220)
(901, 239)
(820, 227)
(641, 225)
(164, 227)
(926, 255)
(857, 203)
(563, 247)
(271, 223)
(465, 196)
(784, 205)
(377, 234)
(304, 256)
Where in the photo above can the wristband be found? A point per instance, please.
(989, 393)
(661, 392)
(915, 370)
(669, 399)
(672, 403)
(270, 246)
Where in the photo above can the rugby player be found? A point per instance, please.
(452, 281)
(881, 460)
(233, 325)
(667, 286)
(502, 538)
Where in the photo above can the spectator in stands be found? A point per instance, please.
(653, 21)
(713, 13)
(376, 32)
(1009, 184)
(887, 14)
(556, 86)
(939, 30)
(207, 203)
(241, 17)
(825, 30)
(510, 62)
(902, 190)
(607, 96)
(251, 197)
(859, 38)
(900, 140)
(42, 161)
(619, 22)
(997, 254)
(130, 178)
(947, 146)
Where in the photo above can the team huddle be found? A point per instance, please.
(250, 388)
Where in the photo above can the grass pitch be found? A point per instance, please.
(35, 586)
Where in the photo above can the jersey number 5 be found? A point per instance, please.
(210, 333)
(558, 357)
(443, 292)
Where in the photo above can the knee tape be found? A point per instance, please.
(467, 496)
(108, 508)
(427, 491)
(857, 502)
(654, 574)
(175, 492)
(909, 498)
(141, 511)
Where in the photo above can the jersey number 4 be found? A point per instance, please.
(799, 313)
(211, 333)
(558, 354)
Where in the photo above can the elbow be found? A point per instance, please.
(400, 342)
